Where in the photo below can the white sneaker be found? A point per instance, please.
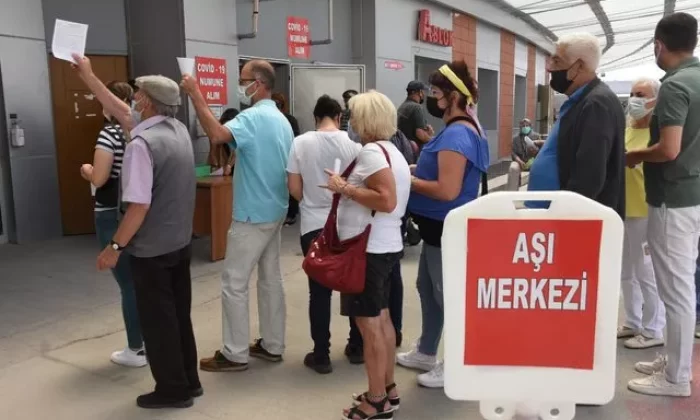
(626, 332)
(657, 385)
(640, 342)
(416, 360)
(697, 334)
(650, 368)
(435, 378)
(130, 358)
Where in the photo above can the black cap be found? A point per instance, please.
(416, 86)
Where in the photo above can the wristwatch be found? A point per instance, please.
(115, 246)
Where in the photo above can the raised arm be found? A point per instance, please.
(113, 105)
(217, 133)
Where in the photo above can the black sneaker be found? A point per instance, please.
(355, 355)
(321, 365)
(153, 401)
(258, 351)
(290, 221)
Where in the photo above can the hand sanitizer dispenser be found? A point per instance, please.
(16, 132)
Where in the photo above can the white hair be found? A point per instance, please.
(582, 46)
(655, 84)
(373, 116)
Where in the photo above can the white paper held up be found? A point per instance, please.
(186, 66)
(68, 38)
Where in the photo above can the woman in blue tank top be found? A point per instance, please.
(448, 175)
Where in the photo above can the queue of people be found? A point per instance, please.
(593, 149)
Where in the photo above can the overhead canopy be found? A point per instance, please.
(625, 27)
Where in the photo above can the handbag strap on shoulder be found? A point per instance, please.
(347, 172)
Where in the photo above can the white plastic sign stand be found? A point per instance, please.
(531, 304)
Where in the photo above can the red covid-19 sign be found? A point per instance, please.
(298, 34)
(531, 295)
(211, 75)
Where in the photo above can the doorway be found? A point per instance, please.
(78, 120)
(487, 110)
(519, 103)
(282, 76)
(424, 68)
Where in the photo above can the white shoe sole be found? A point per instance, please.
(430, 385)
(130, 364)
(660, 392)
(420, 366)
(636, 345)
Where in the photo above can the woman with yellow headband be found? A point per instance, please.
(448, 174)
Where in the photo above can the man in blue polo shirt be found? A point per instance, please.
(262, 138)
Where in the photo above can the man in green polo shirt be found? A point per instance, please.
(672, 180)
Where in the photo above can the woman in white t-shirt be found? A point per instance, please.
(311, 154)
(381, 182)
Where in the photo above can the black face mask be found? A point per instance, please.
(558, 80)
(433, 107)
(421, 100)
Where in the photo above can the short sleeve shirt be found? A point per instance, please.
(262, 138)
(677, 183)
(410, 118)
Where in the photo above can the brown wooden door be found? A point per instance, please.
(78, 120)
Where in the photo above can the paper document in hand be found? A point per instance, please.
(68, 39)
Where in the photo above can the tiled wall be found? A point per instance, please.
(507, 82)
(464, 47)
(531, 82)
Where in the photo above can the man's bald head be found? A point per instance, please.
(261, 71)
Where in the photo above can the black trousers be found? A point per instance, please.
(164, 299)
(293, 209)
(320, 307)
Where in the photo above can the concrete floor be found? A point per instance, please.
(60, 320)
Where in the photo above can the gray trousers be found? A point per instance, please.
(249, 245)
(673, 241)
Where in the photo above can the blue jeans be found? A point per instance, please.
(431, 299)
(106, 224)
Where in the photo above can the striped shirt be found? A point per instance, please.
(111, 140)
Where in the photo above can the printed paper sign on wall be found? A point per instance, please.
(531, 296)
(211, 75)
(298, 34)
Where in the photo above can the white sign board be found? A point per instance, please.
(531, 304)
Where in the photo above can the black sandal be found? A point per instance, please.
(357, 399)
(380, 415)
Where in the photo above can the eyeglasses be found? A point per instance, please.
(241, 81)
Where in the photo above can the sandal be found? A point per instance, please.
(395, 402)
(380, 415)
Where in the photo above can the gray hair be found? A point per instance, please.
(653, 83)
(162, 109)
(582, 46)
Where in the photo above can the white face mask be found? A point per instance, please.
(136, 115)
(243, 96)
(637, 108)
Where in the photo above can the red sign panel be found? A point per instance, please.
(393, 65)
(298, 34)
(532, 289)
(211, 75)
(431, 33)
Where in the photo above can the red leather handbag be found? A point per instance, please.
(335, 264)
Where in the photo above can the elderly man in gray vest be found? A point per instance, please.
(158, 184)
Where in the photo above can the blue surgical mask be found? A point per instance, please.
(136, 116)
(245, 98)
(526, 131)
